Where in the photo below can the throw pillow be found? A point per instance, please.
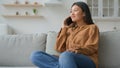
(50, 45)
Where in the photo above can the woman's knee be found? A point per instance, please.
(35, 55)
(65, 55)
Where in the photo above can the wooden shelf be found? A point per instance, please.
(23, 5)
(52, 4)
(23, 16)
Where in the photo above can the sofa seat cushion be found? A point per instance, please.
(16, 49)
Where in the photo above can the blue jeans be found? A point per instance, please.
(65, 60)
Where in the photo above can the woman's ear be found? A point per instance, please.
(83, 14)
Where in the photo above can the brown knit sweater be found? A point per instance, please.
(83, 40)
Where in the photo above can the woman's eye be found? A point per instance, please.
(75, 10)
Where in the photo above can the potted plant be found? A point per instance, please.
(35, 11)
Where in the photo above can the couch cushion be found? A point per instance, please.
(16, 49)
(50, 45)
(109, 49)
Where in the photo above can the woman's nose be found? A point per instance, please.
(72, 13)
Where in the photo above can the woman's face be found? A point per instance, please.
(76, 13)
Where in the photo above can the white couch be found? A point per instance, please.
(16, 49)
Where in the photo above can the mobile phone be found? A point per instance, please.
(69, 21)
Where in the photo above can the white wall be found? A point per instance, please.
(51, 21)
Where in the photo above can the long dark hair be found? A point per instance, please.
(87, 18)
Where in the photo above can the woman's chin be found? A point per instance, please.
(73, 20)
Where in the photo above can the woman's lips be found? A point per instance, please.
(72, 17)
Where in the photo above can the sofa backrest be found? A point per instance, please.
(16, 49)
(109, 49)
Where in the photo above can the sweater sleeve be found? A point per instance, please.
(60, 45)
(91, 45)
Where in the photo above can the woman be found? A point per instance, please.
(77, 42)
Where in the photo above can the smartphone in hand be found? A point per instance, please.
(68, 21)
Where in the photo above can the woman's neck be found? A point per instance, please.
(80, 23)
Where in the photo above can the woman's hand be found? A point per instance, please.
(67, 22)
(56, 55)
(72, 50)
(64, 24)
